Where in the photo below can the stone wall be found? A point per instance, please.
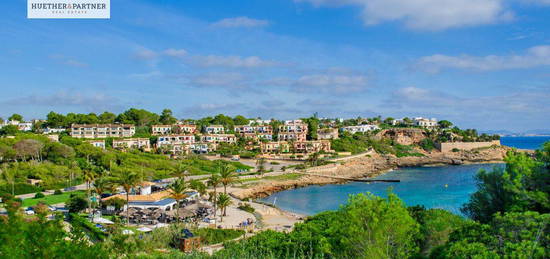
(449, 146)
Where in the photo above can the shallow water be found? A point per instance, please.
(446, 187)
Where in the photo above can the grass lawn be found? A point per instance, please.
(49, 199)
(289, 176)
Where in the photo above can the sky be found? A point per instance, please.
(481, 64)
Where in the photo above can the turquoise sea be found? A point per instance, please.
(446, 187)
(524, 142)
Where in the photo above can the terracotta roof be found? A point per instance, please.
(146, 183)
(157, 196)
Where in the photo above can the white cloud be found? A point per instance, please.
(326, 82)
(68, 61)
(145, 54)
(535, 56)
(241, 21)
(511, 106)
(177, 53)
(218, 80)
(231, 61)
(426, 14)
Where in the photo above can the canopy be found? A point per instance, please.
(101, 220)
(144, 229)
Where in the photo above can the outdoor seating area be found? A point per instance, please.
(188, 212)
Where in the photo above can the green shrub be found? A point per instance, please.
(39, 195)
(246, 207)
(57, 192)
(215, 236)
(455, 149)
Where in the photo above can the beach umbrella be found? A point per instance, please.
(127, 232)
(144, 229)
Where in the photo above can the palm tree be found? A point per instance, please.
(182, 170)
(9, 176)
(198, 186)
(127, 180)
(89, 176)
(178, 190)
(102, 185)
(261, 165)
(227, 176)
(214, 181)
(224, 201)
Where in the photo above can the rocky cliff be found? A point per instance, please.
(371, 165)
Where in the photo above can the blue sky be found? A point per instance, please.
(481, 63)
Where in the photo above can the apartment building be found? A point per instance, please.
(296, 147)
(161, 129)
(274, 147)
(360, 128)
(102, 130)
(312, 146)
(219, 138)
(137, 143)
(255, 132)
(175, 140)
(327, 133)
(186, 128)
(214, 129)
(294, 130)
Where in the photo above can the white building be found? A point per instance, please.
(97, 143)
(425, 122)
(161, 129)
(138, 143)
(175, 140)
(219, 138)
(53, 130)
(360, 128)
(215, 129)
(102, 130)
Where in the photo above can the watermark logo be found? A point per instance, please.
(68, 9)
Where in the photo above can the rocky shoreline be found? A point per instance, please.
(371, 165)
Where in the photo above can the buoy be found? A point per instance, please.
(446, 185)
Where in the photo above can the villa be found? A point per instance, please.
(328, 133)
(102, 130)
(360, 128)
(48, 131)
(418, 121)
(97, 143)
(137, 143)
(424, 122)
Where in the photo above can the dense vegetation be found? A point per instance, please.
(63, 164)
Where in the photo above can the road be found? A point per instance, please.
(277, 170)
